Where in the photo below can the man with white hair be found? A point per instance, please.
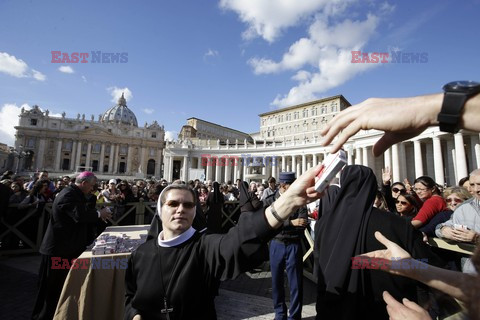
(464, 224)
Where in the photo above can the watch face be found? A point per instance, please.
(468, 87)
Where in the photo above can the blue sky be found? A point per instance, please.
(225, 61)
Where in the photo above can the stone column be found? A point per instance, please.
(245, 168)
(185, 169)
(387, 159)
(110, 159)
(170, 169)
(395, 164)
(228, 169)
(208, 174)
(89, 154)
(350, 157)
(102, 158)
(218, 171)
(358, 156)
(158, 162)
(78, 155)
(73, 156)
(314, 160)
(294, 164)
(417, 151)
(438, 161)
(40, 154)
(365, 156)
(461, 159)
(58, 158)
(476, 148)
(283, 163)
(304, 164)
(115, 159)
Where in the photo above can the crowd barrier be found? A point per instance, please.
(21, 231)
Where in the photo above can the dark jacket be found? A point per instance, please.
(288, 231)
(68, 229)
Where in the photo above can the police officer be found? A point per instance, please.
(286, 254)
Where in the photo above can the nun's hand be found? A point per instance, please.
(408, 310)
(302, 191)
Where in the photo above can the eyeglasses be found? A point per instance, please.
(176, 204)
(420, 189)
(454, 200)
(404, 203)
(398, 190)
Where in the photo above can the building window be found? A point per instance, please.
(33, 122)
(68, 146)
(107, 149)
(152, 152)
(31, 143)
(96, 148)
(154, 134)
(123, 150)
(54, 125)
(305, 113)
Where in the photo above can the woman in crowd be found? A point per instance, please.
(380, 201)
(407, 205)
(428, 191)
(19, 194)
(455, 196)
(202, 197)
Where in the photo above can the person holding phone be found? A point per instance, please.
(464, 224)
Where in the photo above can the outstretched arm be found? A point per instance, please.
(454, 283)
(400, 119)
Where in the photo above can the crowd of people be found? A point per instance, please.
(176, 272)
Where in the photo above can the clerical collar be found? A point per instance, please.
(181, 238)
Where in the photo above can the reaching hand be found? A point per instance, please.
(409, 310)
(302, 191)
(393, 251)
(386, 176)
(400, 119)
(300, 222)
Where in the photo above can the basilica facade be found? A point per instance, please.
(111, 146)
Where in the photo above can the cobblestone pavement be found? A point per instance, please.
(247, 297)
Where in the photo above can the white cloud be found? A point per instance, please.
(267, 18)
(211, 53)
(148, 110)
(84, 79)
(13, 66)
(8, 120)
(116, 93)
(171, 135)
(321, 60)
(38, 75)
(18, 68)
(66, 69)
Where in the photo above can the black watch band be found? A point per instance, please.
(449, 116)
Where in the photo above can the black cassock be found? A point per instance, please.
(191, 270)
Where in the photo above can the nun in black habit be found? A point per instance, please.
(346, 230)
(213, 214)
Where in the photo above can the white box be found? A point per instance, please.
(331, 166)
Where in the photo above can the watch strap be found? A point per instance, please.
(449, 116)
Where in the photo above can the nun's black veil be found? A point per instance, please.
(342, 231)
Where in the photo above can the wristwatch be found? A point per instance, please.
(456, 95)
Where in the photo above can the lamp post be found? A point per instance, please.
(19, 154)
